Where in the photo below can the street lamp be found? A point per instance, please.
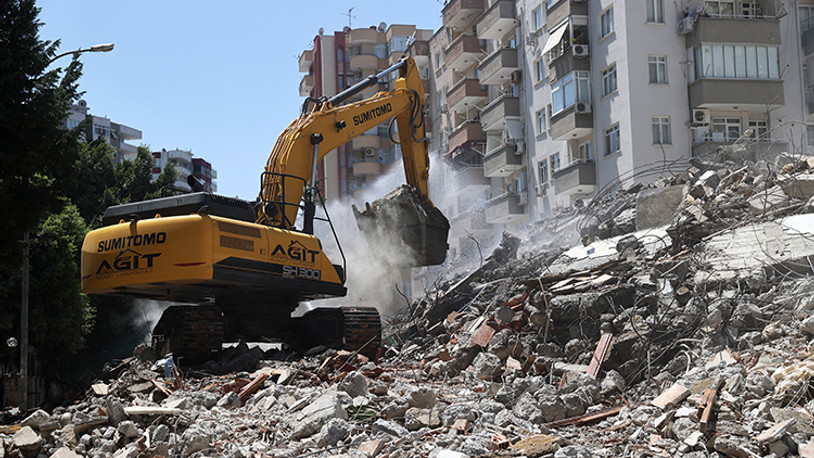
(23, 399)
(102, 47)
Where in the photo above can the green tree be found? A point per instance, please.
(36, 154)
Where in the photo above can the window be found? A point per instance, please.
(541, 126)
(584, 152)
(609, 80)
(539, 70)
(542, 167)
(612, 140)
(806, 14)
(716, 60)
(397, 44)
(381, 50)
(725, 129)
(720, 9)
(657, 65)
(760, 130)
(554, 161)
(572, 88)
(661, 130)
(537, 18)
(438, 60)
(655, 11)
(606, 22)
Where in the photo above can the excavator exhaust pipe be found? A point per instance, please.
(404, 222)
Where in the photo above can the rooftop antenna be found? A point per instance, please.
(350, 16)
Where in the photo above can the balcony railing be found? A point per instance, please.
(498, 67)
(367, 168)
(306, 85)
(579, 177)
(494, 115)
(503, 162)
(466, 93)
(464, 52)
(306, 59)
(505, 209)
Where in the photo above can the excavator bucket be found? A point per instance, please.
(407, 228)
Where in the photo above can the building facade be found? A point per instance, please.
(185, 165)
(115, 134)
(335, 63)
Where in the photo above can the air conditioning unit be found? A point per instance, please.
(520, 148)
(580, 50)
(523, 199)
(369, 152)
(700, 116)
(517, 76)
(583, 108)
(444, 108)
(531, 39)
(542, 189)
(685, 25)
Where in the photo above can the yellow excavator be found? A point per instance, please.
(237, 269)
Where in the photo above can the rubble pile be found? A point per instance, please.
(681, 325)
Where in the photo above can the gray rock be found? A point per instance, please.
(177, 403)
(333, 432)
(389, 427)
(36, 419)
(552, 408)
(28, 441)
(160, 434)
(127, 429)
(573, 451)
(194, 439)
(130, 451)
(115, 411)
(229, 401)
(355, 384)
(416, 418)
(65, 452)
(486, 364)
(323, 409)
(395, 408)
(613, 380)
(455, 411)
(807, 325)
(733, 446)
(476, 445)
(144, 352)
(422, 398)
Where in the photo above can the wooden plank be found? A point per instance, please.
(673, 396)
(600, 353)
(249, 389)
(707, 404)
(587, 418)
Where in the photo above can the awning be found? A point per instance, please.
(555, 37)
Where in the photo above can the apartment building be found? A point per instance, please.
(185, 164)
(113, 133)
(336, 62)
(544, 103)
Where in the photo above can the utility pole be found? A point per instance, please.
(24, 330)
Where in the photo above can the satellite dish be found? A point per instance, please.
(382, 27)
(321, 31)
(82, 103)
(346, 29)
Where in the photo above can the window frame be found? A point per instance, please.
(656, 7)
(608, 134)
(607, 23)
(609, 76)
(540, 119)
(543, 172)
(657, 62)
(537, 21)
(661, 130)
(540, 70)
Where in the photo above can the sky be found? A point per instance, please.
(215, 77)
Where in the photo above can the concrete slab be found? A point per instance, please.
(657, 207)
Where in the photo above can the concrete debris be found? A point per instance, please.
(669, 319)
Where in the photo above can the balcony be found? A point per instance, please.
(561, 10)
(759, 31)
(370, 168)
(737, 94)
(468, 223)
(366, 141)
(459, 14)
(469, 131)
(565, 63)
(306, 85)
(505, 209)
(362, 62)
(503, 162)
(306, 59)
(570, 125)
(466, 93)
(464, 52)
(498, 67)
(497, 21)
(493, 117)
(361, 36)
(420, 52)
(579, 177)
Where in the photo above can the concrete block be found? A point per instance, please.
(657, 207)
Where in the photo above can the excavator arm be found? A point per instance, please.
(291, 167)
(313, 135)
